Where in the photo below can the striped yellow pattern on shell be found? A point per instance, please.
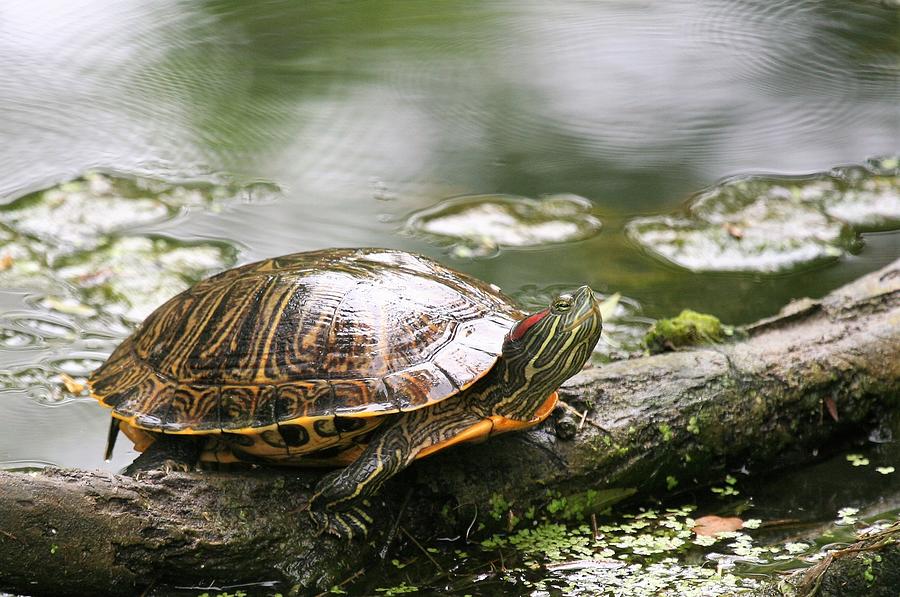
(286, 341)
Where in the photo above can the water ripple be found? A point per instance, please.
(625, 82)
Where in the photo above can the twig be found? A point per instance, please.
(392, 533)
(347, 580)
(419, 545)
(149, 588)
(812, 579)
(582, 417)
(472, 524)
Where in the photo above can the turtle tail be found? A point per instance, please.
(111, 438)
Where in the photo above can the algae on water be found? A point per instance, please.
(78, 248)
(80, 214)
(132, 275)
(79, 243)
(772, 224)
(479, 225)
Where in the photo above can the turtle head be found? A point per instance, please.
(546, 348)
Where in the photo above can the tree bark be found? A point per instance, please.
(636, 425)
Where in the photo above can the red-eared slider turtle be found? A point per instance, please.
(361, 358)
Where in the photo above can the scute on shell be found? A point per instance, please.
(340, 332)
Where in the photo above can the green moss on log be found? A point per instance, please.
(688, 329)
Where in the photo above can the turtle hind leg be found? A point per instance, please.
(168, 453)
(339, 504)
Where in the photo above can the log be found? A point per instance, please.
(630, 426)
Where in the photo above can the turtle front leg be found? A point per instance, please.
(339, 504)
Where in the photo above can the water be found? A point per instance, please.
(362, 113)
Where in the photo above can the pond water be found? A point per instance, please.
(264, 129)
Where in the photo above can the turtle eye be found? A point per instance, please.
(562, 304)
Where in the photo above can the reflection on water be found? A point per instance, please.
(632, 106)
(595, 99)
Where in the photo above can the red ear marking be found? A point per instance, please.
(524, 325)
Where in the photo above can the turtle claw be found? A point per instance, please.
(350, 523)
(166, 455)
(148, 470)
(175, 466)
(144, 474)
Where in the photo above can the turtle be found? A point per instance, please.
(362, 359)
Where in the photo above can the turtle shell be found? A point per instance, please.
(336, 333)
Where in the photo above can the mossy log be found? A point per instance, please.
(765, 401)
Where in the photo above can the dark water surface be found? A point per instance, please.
(363, 112)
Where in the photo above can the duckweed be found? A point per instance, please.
(666, 432)
(857, 460)
(499, 506)
(847, 516)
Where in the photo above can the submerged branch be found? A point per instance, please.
(766, 401)
(870, 567)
